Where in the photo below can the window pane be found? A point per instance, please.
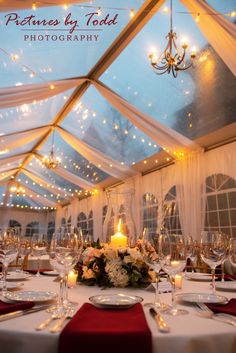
(233, 217)
(222, 201)
(211, 202)
(232, 199)
(224, 218)
(213, 220)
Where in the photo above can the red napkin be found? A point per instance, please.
(41, 270)
(227, 277)
(104, 330)
(6, 308)
(229, 308)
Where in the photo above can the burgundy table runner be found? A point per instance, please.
(106, 330)
(229, 308)
(6, 308)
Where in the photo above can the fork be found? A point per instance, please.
(48, 321)
(68, 315)
(209, 314)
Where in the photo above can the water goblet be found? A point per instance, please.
(232, 252)
(39, 247)
(213, 250)
(173, 258)
(8, 254)
(65, 249)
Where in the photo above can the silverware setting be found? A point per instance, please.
(67, 315)
(205, 312)
(160, 321)
(19, 313)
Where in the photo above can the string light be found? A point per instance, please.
(131, 13)
(34, 7)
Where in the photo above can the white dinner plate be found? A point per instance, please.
(195, 276)
(50, 273)
(11, 285)
(227, 286)
(115, 301)
(36, 296)
(201, 298)
(17, 276)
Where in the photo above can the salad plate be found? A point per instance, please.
(115, 301)
(201, 298)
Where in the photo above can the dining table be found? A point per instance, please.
(190, 333)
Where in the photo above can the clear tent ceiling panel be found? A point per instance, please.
(22, 149)
(188, 103)
(39, 189)
(38, 51)
(52, 177)
(72, 161)
(29, 116)
(225, 7)
(100, 125)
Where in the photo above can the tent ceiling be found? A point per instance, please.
(102, 138)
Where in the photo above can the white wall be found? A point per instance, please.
(26, 217)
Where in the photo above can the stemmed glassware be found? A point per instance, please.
(150, 252)
(192, 249)
(39, 247)
(24, 249)
(8, 253)
(64, 252)
(173, 258)
(213, 251)
(232, 251)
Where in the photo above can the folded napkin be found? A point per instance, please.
(6, 308)
(33, 272)
(106, 330)
(227, 277)
(229, 308)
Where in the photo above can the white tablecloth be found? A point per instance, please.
(189, 333)
(32, 263)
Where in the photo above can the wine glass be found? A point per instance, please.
(232, 251)
(150, 254)
(192, 250)
(39, 247)
(65, 249)
(24, 249)
(173, 258)
(213, 251)
(8, 254)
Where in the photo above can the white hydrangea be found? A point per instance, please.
(117, 274)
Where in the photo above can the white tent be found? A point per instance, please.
(112, 120)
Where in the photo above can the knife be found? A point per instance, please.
(19, 313)
(161, 323)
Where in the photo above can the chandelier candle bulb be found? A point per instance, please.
(72, 279)
(118, 239)
(178, 281)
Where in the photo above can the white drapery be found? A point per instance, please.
(161, 134)
(189, 194)
(41, 182)
(12, 159)
(10, 5)
(84, 184)
(37, 198)
(19, 95)
(106, 163)
(12, 141)
(220, 32)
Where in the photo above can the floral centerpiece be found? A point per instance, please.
(110, 267)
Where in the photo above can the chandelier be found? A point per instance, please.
(172, 60)
(19, 190)
(52, 161)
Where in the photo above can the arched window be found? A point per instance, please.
(220, 211)
(90, 223)
(104, 213)
(31, 229)
(171, 212)
(51, 229)
(69, 222)
(82, 222)
(14, 224)
(150, 209)
(63, 222)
